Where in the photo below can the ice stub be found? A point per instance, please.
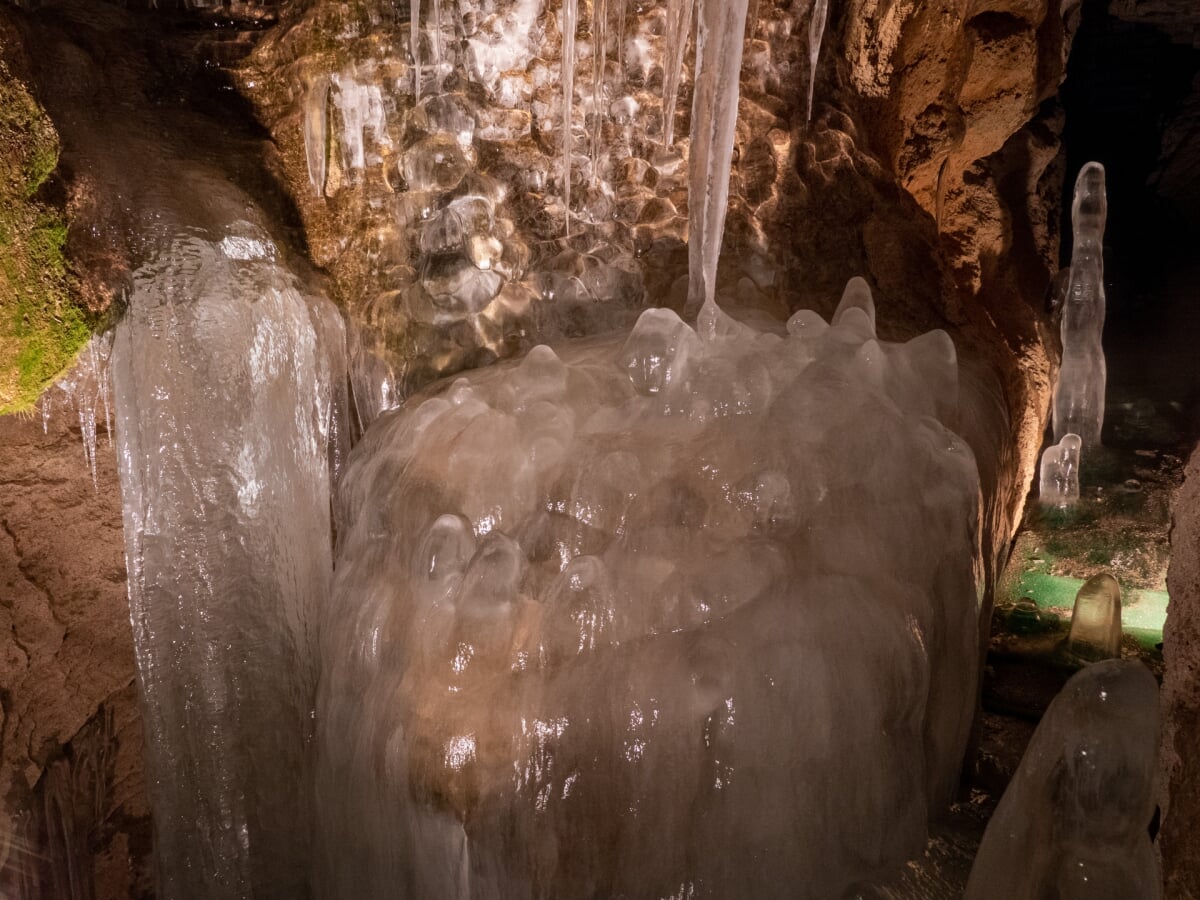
(1073, 822)
(1058, 478)
(1096, 619)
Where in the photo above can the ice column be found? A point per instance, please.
(679, 23)
(1058, 482)
(316, 121)
(224, 380)
(1079, 394)
(719, 37)
(816, 30)
(1096, 619)
(1073, 821)
(570, 14)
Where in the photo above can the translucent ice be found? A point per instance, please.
(1073, 822)
(227, 413)
(570, 16)
(816, 30)
(1058, 481)
(1096, 619)
(720, 32)
(679, 24)
(316, 119)
(1079, 393)
(361, 106)
(84, 392)
(414, 39)
(652, 614)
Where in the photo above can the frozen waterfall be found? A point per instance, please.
(226, 381)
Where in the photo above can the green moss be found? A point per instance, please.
(41, 328)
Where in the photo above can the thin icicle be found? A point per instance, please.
(414, 36)
(719, 37)
(570, 17)
(599, 60)
(316, 123)
(679, 22)
(621, 38)
(816, 30)
(437, 36)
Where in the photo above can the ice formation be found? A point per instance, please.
(1058, 481)
(816, 30)
(84, 391)
(414, 37)
(720, 32)
(570, 15)
(1073, 822)
(361, 106)
(656, 615)
(226, 383)
(1096, 620)
(316, 124)
(679, 23)
(599, 62)
(1079, 393)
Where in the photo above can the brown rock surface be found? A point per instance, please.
(71, 786)
(1180, 765)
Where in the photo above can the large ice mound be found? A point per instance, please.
(653, 616)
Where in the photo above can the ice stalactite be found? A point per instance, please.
(316, 124)
(620, 33)
(579, 606)
(414, 38)
(570, 16)
(435, 16)
(1074, 820)
(1058, 479)
(1079, 393)
(360, 102)
(227, 393)
(720, 33)
(816, 31)
(599, 61)
(679, 26)
(84, 391)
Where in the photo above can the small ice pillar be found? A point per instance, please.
(1058, 483)
(1073, 821)
(1079, 393)
(1096, 619)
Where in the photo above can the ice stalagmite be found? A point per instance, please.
(570, 16)
(1058, 480)
(816, 30)
(720, 31)
(1073, 822)
(1079, 393)
(225, 391)
(1096, 619)
(316, 121)
(626, 619)
(679, 26)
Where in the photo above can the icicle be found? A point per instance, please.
(679, 21)
(621, 38)
(599, 60)
(437, 36)
(570, 16)
(719, 37)
(316, 121)
(415, 39)
(816, 30)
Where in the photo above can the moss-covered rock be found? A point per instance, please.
(41, 328)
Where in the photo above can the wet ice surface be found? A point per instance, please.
(1058, 475)
(1073, 822)
(225, 379)
(657, 615)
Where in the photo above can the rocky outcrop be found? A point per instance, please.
(72, 796)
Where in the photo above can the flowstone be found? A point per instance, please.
(664, 615)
